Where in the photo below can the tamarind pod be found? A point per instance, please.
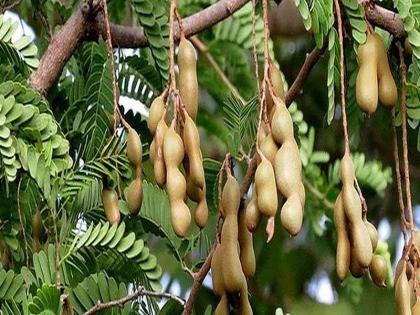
(347, 173)
(378, 270)
(152, 151)
(201, 213)
(278, 85)
(402, 294)
(216, 271)
(302, 194)
(232, 275)
(188, 84)
(110, 203)
(387, 90)
(173, 148)
(193, 192)
(155, 113)
(416, 308)
(247, 255)
(231, 196)
(360, 239)
(263, 132)
(343, 242)
(134, 147)
(223, 306)
(399, 269)
(252, 214)
(135, 195)
(191, 139)
(281, 124)
(367, 78)
(180, 217)
(244, 305)
(269, 148)
(287, 168)
(292, 215)
(265, 186)
(37, 225)
(356, 270)
(412, 253)
(159, 167)
(373, 234)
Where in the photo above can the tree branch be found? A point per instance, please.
(309, 63)
(81, 26)
(141, 291)
(384, 18)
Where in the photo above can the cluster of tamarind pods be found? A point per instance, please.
(135, 190)
(357, 238)
(374, 80)
(407, 279)
(233, 261)
(179, 144)
(280, 167)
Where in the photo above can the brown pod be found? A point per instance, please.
(347, 173)
(37, 225)
(188, 84)
(360, 239)
(252, 214)
(135, 195)
(416, 308)
(277, 83)
(356, 270)
(201, 213)
(244, 305)
(269, 148)
(378, 270)
(402, 293)
(191, 139)
(281, 125)
(159, 167)
(288, 168)
(292, 215)
(343, 243)
(373, 234)
(134, 147)
(216, 271)
(152, 151)
(233, 276)
(387, 90)
(110, 203)
(367, 78)
(265, 186)
(247, 255)
(155, 113)
(194, 193)
(223, 306)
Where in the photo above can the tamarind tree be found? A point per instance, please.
(209, 157)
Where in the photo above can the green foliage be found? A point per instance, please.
(355, 14)
(333, 72)
(241, 121)
(317, 16)
(153, 16)
(22, 52)
(46, 301)
(98, 287)
(11, 286)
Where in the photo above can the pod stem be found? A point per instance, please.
(254, 48)
(342, 72)
(108, 42)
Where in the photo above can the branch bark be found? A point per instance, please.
(141, 291)
(81, 27)
(385, 19)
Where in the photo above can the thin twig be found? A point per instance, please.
(22, 225)
(141, 291)
(254, 47)
(206, 53)
(404, 136)
(342, 72)
(398, 177)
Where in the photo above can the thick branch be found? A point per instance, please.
(141, 291)
(385, 19)
(309, 63)
(78, 27)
